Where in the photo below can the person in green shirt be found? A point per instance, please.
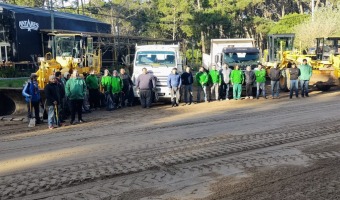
(237, 78)
(93, 86)
(75, 90)
(201, 78)
(215, 77)
(106, 86)
(116, 89)
(260, 75)
(305, 75)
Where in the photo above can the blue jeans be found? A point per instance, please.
(51, 116)
(187, 90)
(304, 87)
(199, 90)
(226, 87)
(261, 86)
(275, 86)
(294, 87)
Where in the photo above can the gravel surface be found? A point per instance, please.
(248, 149)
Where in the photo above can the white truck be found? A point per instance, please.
(238, 51)
(159, 60)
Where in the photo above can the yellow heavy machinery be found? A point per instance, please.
(71, 52)
(326, 63)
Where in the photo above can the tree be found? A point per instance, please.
(288, 23)
(325, 24)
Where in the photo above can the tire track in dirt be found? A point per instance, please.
(165, 176)
(51, 179)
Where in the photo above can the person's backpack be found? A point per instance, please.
(27, 90)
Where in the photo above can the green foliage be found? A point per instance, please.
(325, 24)
(194, 56)
(288, 23)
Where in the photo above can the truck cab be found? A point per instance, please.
(159, 60)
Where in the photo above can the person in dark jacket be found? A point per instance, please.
(127, 92)
(145, 84)
(294, 73)
(187, 81)
(61, 108)
(31, 93)
(250, 79)
(275, 75)
(53, 99)
(174, 85)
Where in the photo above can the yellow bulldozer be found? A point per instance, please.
(70, 52)
(325, 60)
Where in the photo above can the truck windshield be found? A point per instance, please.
(156, 58)
(241, 57)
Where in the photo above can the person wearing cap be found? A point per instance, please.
(216, 80)
(174, 85)
(116, 89)
(31, 92)
(145, 84)
(305, 75)
(92, 84)
(53, 100)
(187, 81)
(75, 90)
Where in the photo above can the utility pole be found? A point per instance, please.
(52, 28)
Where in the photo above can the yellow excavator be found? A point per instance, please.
(71, 51)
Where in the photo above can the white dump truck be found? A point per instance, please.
(238, 51)
(159, 60)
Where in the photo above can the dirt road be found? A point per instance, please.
(248, 149)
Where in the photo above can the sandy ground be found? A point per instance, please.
(248, 149)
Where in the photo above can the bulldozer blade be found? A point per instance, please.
(324, 79)
(12, 101)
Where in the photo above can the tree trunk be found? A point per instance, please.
(202, 33)
(174, 29)
(82, 6)
(221, 31)
(203, 42)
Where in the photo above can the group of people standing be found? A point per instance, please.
(68, 95)
(220, 81)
